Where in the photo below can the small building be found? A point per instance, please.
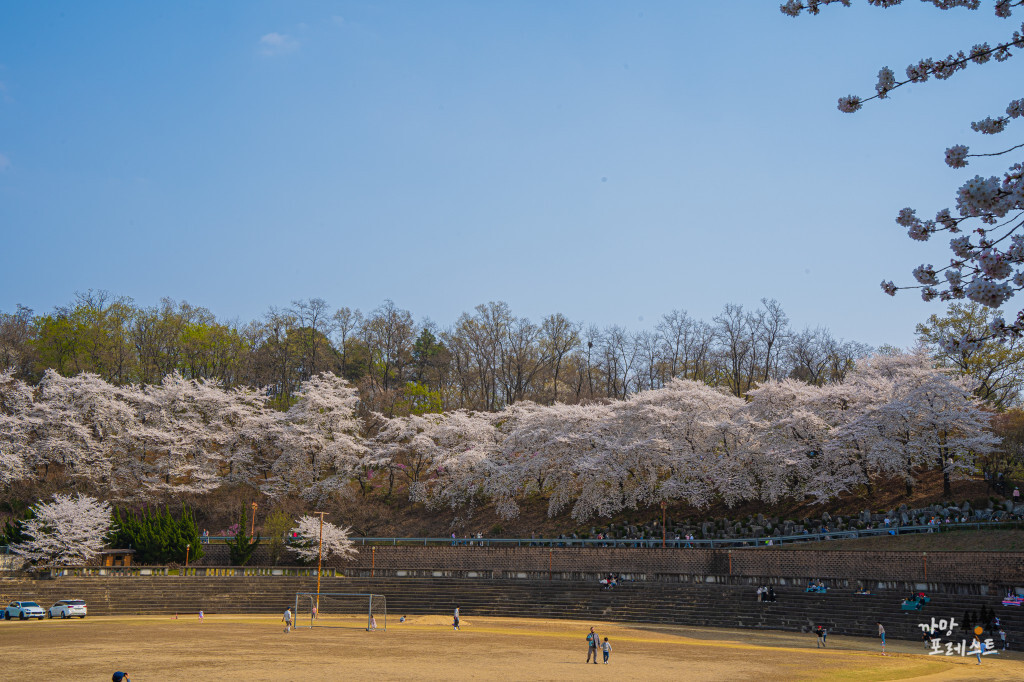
(116, 557)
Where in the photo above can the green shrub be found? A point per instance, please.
(276, 525)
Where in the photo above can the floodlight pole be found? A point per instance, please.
(187, 548)
(319, 559)
(253, 526)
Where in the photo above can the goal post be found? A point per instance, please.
(361, 611)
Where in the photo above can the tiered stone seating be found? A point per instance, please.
(711, 605)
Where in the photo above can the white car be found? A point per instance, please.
(66, 608)
(24, 610)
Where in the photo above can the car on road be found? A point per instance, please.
(66, 608)
(24, 610)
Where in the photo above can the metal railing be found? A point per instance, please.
(195, 571)
(672, 543)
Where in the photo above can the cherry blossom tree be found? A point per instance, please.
(892, 416)
(306, 546)
(68, 530)
(16, 400)
(931, 419)
(987, 245)
(321, 444)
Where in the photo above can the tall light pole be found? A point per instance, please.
(253, 526)
(187, 548)
(663, 505)
(319, 560)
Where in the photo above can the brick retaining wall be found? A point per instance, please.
(992, 568)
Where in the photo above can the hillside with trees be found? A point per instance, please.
(486, 360)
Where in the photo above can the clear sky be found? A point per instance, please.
(607, 160)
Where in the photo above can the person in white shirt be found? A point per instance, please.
(607, 647)
(455, 623)
(287, 618)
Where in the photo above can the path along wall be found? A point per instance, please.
(987, 568)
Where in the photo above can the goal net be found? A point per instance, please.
(340, 610)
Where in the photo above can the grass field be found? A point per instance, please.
(255, 648)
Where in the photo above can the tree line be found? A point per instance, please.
(487, 359)
(894, 417)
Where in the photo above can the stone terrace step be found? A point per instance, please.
(669, 603)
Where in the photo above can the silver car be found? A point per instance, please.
(24, 610)
(66, 608)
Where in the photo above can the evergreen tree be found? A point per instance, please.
(14, 530)
(157, 537)
(240, 549)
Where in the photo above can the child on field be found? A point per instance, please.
(287, 618)
(607, 647)
(200, 615)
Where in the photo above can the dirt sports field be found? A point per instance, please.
(425, 648)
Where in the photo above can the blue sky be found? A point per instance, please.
(610, 161)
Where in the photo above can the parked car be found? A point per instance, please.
(24, 610)
(66, 608)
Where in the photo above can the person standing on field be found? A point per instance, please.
(287, 618)
(455, 623)
(593, 639)
(607, 650)
(881, 633)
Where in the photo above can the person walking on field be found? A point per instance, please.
(593, 639)
(607, 646)
(455, 623)
(287, 618)
(881, 633)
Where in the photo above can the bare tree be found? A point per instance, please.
(389, 333)
(314, 323)
(522, 358)
(559, 337)
(773, 334)
(345, 323)
(735, 337)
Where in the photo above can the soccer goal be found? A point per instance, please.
(341, 610)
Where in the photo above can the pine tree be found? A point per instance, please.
(157, 537)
